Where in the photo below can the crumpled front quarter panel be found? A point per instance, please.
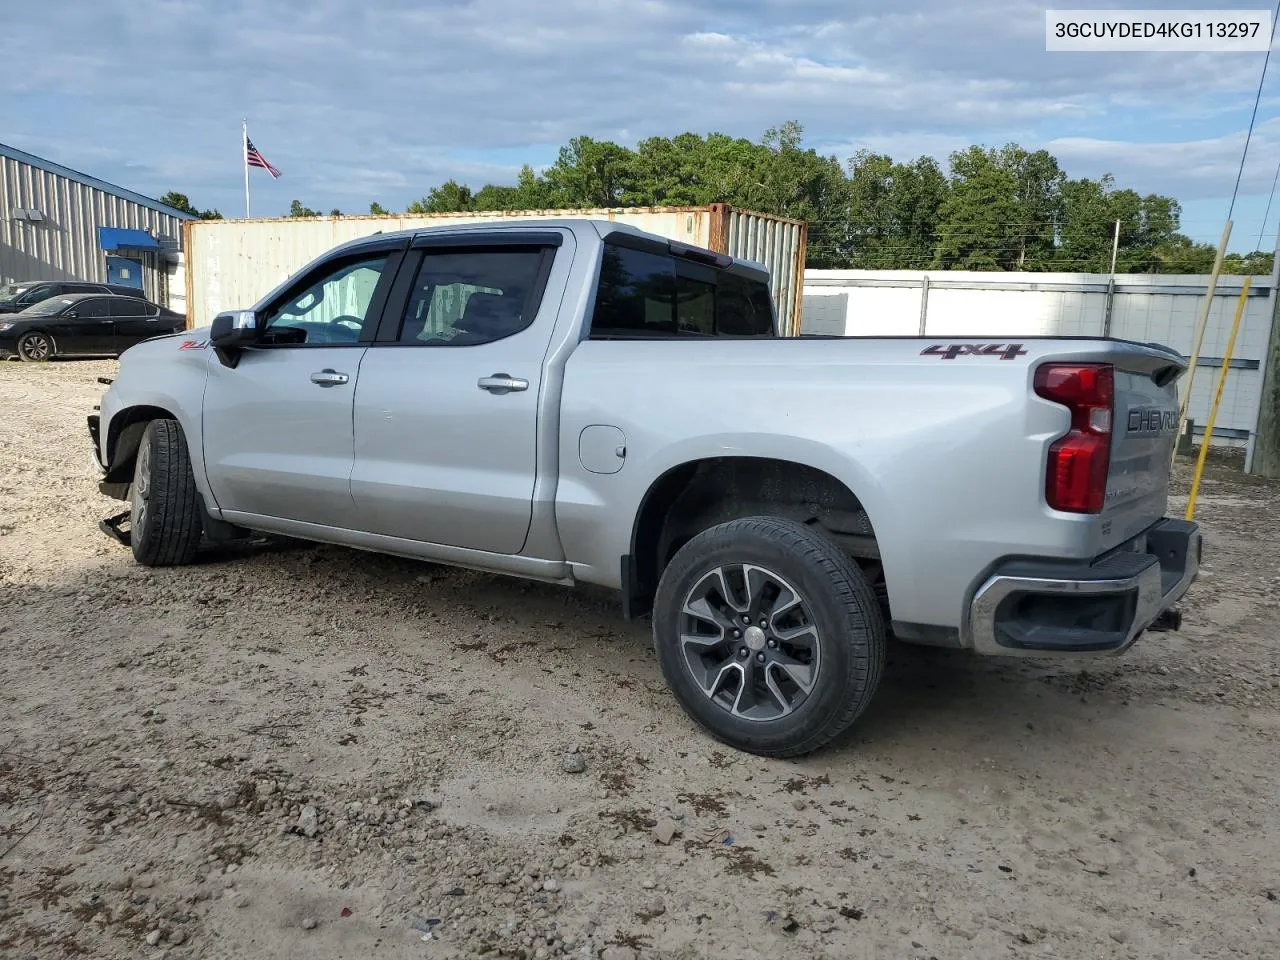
(168, 373)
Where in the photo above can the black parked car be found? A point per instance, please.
(16, 297)
(84, 324)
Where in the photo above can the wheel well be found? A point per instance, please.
(694, 496)
(42, 332)
(127, 428)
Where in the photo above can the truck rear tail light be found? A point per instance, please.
(1076, 478)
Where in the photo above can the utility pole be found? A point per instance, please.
(1115, 248)
(1263, 455)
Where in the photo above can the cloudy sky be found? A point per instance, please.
(379, 101)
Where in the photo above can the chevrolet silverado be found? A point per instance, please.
(578, 401)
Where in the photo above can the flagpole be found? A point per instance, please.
(244, 158)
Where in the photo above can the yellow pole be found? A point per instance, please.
(1201, 323)
(1217, 399)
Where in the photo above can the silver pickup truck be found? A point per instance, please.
(576, 400)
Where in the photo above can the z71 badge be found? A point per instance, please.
(193, 344)
(949, 351)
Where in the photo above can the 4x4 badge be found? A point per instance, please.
(950, 351)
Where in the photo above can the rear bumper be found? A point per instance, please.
(1038, 608)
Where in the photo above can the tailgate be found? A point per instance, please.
(1144, 432)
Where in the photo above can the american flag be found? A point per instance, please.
(256, 159)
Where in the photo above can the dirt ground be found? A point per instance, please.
(305, 752)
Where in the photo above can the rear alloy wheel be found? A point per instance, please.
(165, 505)
(36, 347)
(769, 635)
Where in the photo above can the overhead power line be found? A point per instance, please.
(1267, 213)
(1256, 100)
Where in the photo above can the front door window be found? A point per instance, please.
(331, 309)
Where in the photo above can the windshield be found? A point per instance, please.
(11, 291)
(47, 308)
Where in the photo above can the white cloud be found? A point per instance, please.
(1190, 169)
(381, 101)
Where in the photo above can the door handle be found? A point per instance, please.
(329, 378)
(501, 383)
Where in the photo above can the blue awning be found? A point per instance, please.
(117, 238)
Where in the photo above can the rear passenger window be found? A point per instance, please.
(126, 307)
(634, 295)
(473, 297)
(647, 294)
(743, 307)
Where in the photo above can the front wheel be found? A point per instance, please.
(769, 635)
(36, 347)
(165, 505)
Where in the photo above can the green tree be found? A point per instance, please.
(1181, 254)
(378, 210)
(181, 202)
(296, 209)
(530, 193)
(804, 185)
(979, 226)
(993, 209)
(893, 211)
(1258, 262)
(1147, 224)
(1085, 236)
(1002, 211)
(449, 197)
(591, 173)
(1039, 195)
(675, 171)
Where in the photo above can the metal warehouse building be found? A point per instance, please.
(58, 224)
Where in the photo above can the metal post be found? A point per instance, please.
(244, 158)
(1111, 299)
(1111, 282)
(1217, 400)
(924, 304)
(1189, 379)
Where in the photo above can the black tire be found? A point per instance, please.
(36, 347)
(842, 621)
(165, 521)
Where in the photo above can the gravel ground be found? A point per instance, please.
(294, 751)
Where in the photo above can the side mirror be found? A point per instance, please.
(232, 331)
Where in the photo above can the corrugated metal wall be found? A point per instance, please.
(1142, 307)
(64, 245)
(233, 263)
(780, 245)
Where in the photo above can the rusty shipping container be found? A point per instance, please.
(232, 263)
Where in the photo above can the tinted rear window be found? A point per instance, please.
(647, 294)
(128, 307)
